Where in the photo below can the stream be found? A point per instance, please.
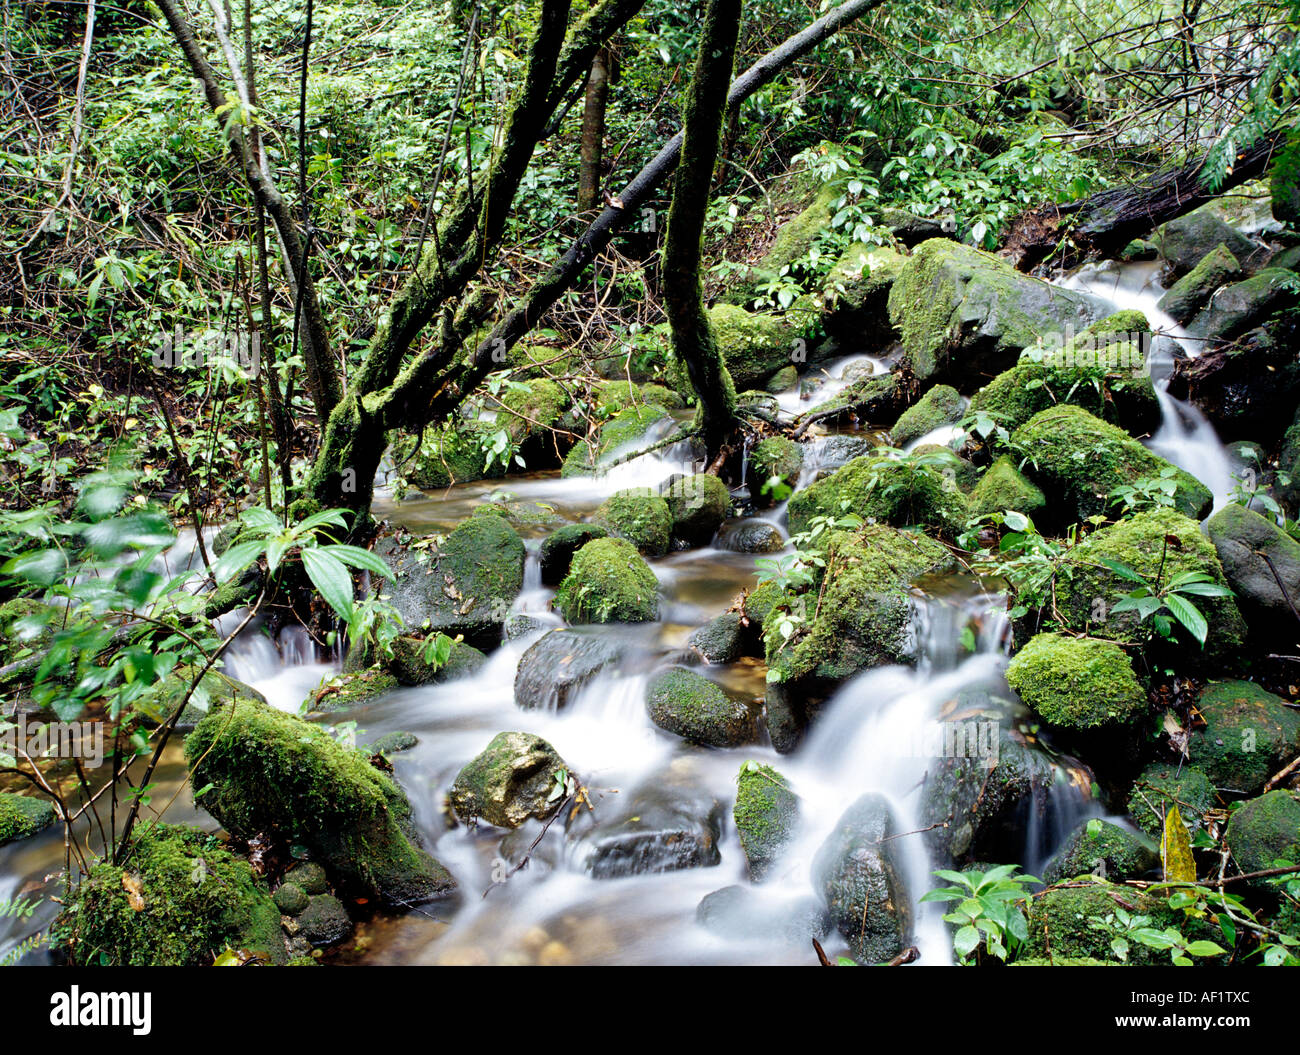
(875, 734)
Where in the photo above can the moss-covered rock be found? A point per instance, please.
(1239, 307)
(1003, 487)
(893, 491)
(454, 454)
(1071, 922)
(532, 408)
(856, 294)
(687, 704)
(698, 504)
(609, 582)
(1264, 832)
(876, 399)
(310, 876)
(1102, 370)
(180, 900)
(270, 771)
(558, 548)
(1077, 683)
(1105, 849)
(621, 436)
(394, 743)
(1284, 181)
(775, 458)
(766, 815)
(721, 640)
(641, 517)
(942, 405)
(462, 584)
(291, 899)
(509, 782)
(157, 704)
(1161, 786)
(860, 879)
(783, 380)
(351, 689)
(1078, 460)
(963, 312)
(1249, 735)
(22, 816)
(410, 666)
(1188, 295)
(754, 345)
(1089, 588)
(1185, 241)
(1255, 555)
(324, 921)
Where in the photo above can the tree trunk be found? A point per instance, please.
(593, 132)
(1104, 223)
(694, 342)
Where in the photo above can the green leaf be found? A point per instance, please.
(44, 567)
(1123, 570)
(965, 941)
(236, 559)
(331, 578)
(356, 557)
(1189, 615)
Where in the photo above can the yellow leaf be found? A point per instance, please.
(133, 886)
(1176, 850)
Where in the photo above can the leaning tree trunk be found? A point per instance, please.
(694, 342)
(1104, 223)
(593, 132)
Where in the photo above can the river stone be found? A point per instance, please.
(979, 804)
(463, 585)
(559, 547)
(721, 640)
(1251, 549)
(776, 456)
(557, 666)
(510, 781)
(1161, 786)
(751, 536)
(1236, 308)
(859, 877)
(22, 816)
(291, 899)
(942, 405)
(964, 315)
(609, 582)
(1104, 849)
(1264, 831)
(667, 824)
(688, 705)
(1249, 735)
(522, 624)
(698, 504)
(324, 921)
(766, 814)
(1183, 242)
(1188, 295)
(394, 743)
(309, 876)
(740, 913)
(408, 664)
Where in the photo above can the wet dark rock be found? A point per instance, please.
(409, 665)
(521, 624)
(1241, 306)
(1262, 565)
(858, 874)
(751, 536)
(766, 815)
(687, 704)
(721, 640)
(509, 782)
(559, 547)
(324, 921)
(394, 743)
(1185, 241)
(559, 665)
(739, 913)
(1104, 849)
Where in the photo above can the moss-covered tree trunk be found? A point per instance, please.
(694, 342)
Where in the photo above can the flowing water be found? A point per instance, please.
(876, 734)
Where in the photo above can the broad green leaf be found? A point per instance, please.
(331, 578)
(1189, 615)
(356, 557)
(236, 559)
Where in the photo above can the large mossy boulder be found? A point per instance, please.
(1262, 565)
(858, 874)
(1159, 545)
(1190, 293)
(531, 409)
(858, 615)
(1002, 487)
(1161, 786)
(410, 663)
(1186, 240)
(1249, 735)
(1103, 370)
(180, 900)
(1079, 460)
(641, 517)
(510, 781)
(964, 314)
(1101, 848)
(894, 491)
(1077, 683)
(688, 705)
(267, 771)
(1072, 922)
(609, 582)
(766, 815)
(698, 504)
(558, 548)
(351, 688)
(558, 666)
(754, 345)
(22, 816)
(620, 437)
(462, 584)
(942, 405)
(1264, 832)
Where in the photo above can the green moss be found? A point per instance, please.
(892, 491)
(538, 360)
(195, 899)
(1004, 487)
(862, 276)
(509, 782)
(608, 582)
(25, 625)
(1087, 588)
(858, 616)
(1265, 832)
(270, 771)
(351, 689)
(1077, 683)
(615, 396)
(761, 600)
(1249, 734)
(754, 345)
(157, 704)
(290, 898)
(22, 816)
(558, 548)
(877, 399)
(766, 814)
(622, 435)
(1078, 460)
(942, 405)
(640, 516)
(1097, 845)
(687, 704)
(1067, 923)
(409, 666)
(1162, 786)
(1190, 293)
(778, 457)
(532, 408)
(1284, 181)
(698, 505)
(450, 455)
